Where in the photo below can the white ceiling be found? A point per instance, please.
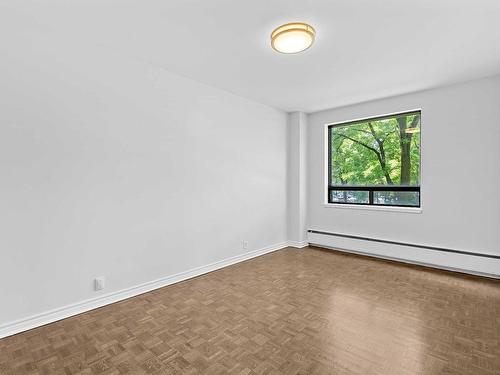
(365, 49)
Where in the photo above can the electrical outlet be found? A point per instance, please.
(245, 244)
(99, 283)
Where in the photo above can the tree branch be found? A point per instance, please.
(362, 131)
(361, 143)
(414, 122)
(388, 134)
(372, 130)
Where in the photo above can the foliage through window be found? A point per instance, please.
(375, 161)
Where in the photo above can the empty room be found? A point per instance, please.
(250, 187)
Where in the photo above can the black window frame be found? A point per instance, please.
(371, 188)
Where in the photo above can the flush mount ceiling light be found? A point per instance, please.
(292, 37)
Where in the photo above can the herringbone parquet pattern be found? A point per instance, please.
(290, 312)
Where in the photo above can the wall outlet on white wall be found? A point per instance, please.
(99, 283)
(244, 243)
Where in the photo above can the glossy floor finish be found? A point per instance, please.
(293, 311)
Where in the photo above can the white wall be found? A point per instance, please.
(460, 171)
(297, 178)
(111, 166)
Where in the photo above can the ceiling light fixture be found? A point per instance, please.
(292, 37)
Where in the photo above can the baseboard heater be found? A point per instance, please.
(482, 264)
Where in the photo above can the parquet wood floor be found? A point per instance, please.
(307, 311)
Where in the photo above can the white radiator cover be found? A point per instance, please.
(472, 264)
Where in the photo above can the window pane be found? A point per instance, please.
(396, 198)
(379, 151)
(346, 196)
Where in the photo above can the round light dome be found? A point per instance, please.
(292, 37)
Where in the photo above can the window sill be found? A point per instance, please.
(411, 210)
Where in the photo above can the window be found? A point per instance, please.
(375, 161)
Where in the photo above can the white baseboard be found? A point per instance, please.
(90, 304)
(298, 244)
(464, 263)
